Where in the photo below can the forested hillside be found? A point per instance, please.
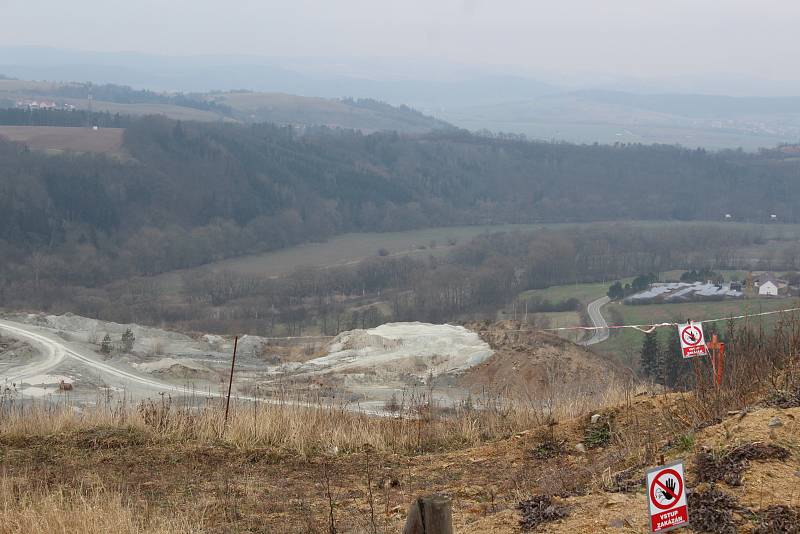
(196, 192)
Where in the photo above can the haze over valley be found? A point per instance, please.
(378, 267)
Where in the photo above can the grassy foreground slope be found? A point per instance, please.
(555, 460)
(288, 470)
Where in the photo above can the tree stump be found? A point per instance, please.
(431, 514)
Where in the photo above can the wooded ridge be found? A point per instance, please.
(196, 192)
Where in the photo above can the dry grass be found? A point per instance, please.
(116, 467)
(287, 427)
(32, 507)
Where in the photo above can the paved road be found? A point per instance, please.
(597, 320)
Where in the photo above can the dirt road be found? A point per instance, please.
(56, 350)
(53, 354)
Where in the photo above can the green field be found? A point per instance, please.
(583, 292)
(283, 108)
(57, 139)
(656, 313)
(348, 249)
(351, 248)
(626, 343)
(168, 110)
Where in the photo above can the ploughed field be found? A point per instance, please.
(66, 138)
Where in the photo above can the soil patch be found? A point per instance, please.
(778, 519)
(627, 481)
(598, 434)
(548, 447)
(109, 438)
(785, 399)
(712, 511)
(729, 466)
(540, 509)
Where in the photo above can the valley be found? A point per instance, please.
(272, 309)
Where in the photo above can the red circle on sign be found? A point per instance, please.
(698, 338)
(678, 492)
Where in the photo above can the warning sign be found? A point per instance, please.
(666, 493)
(692, 341)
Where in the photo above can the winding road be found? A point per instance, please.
(600, 335)
(55, 351)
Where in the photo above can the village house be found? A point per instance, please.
(770, 286)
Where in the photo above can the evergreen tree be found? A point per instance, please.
(615, 292)
(650, 356)
(105, 345)
(127, 340)
(675, 367)
(643, 281)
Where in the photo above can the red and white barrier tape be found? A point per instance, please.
(646, 328)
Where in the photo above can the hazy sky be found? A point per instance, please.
(638, 38)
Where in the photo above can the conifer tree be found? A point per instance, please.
(105, 345)
(128, 339)
(676, 368)
(650, 356)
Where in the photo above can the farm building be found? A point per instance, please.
(684, 292)
(770, 286)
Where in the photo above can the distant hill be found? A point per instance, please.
(339, 92)
(708, 121)
(361, 114)
(367, 115)
(432, 86)
(702, 106)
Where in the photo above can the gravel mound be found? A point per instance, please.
(415, 348)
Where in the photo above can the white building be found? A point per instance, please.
(768, 288)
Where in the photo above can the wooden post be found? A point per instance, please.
(230, 382)
(431, 514)
(717, 358)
